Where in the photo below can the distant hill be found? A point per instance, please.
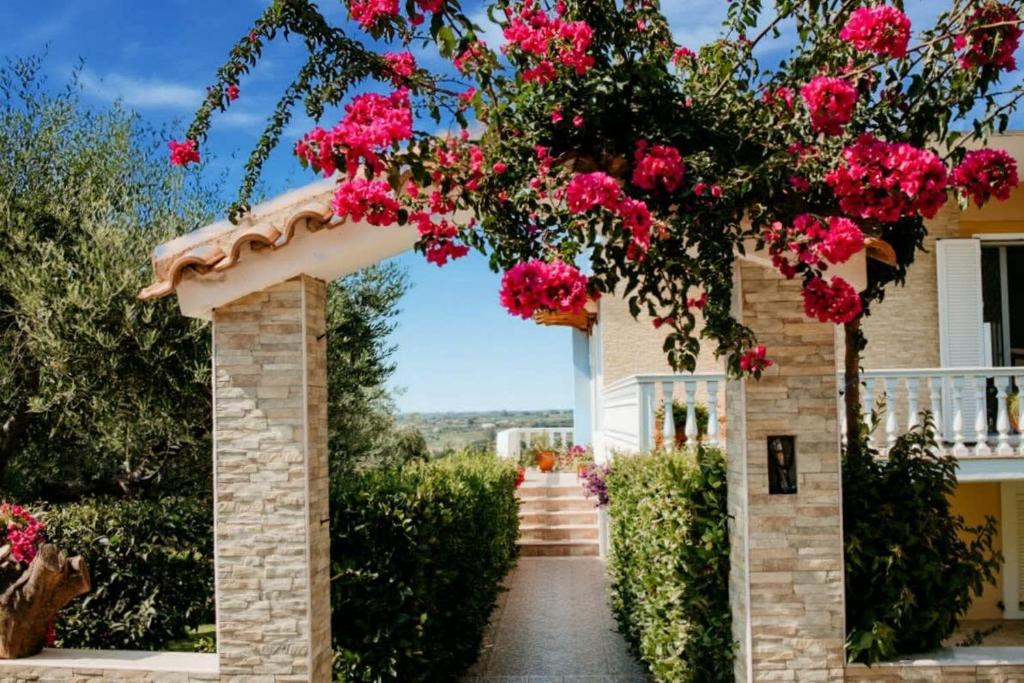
(476, 429)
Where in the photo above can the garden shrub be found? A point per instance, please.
(151, 564)
(417, 556)
(912, 567)
(669, 562)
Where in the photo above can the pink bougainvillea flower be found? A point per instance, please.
(368, 12)
(841, 241)
(986, 173)
(882, 30)
(233, 92)
(577, 121)
(430, 5)
(834, 301)
(885, 181)
(402, 65)
(683, 55)
(183, 153)
(535, 285)
(755, 361)
(587, 190)
(522, 288)
(21, 531)
(440, 240)
(657, 166)
(472, 57)
(781, 94)
(542, 74)
(994, 39)
(372, 122)
(358, 199)
(830, 102)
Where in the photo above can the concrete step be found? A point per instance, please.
(566, 532)
(530, 504)
(549, 491)
(558, 517)
(558, 548)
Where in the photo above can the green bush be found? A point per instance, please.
(418, 554)
(151, 564)
(669, 562)
(912, 567)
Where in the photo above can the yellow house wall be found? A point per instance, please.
(974, 501)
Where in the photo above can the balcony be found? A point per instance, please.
(976, 410)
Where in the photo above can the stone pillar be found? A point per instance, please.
(786, 577)
(271, 485)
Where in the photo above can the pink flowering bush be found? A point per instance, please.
(887, 181)
(830, 103)
(21, 531)
(986, 173)
(755, 361)
(656, 167)
(992, 39)
(833, 301)
(585, 132)
(883, 30)
(536, 285)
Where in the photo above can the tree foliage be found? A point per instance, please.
(99, 392)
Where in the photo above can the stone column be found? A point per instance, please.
(271, 485)
(786, 578)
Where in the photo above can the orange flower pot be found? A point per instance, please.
(546, 461)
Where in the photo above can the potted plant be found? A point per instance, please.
(546, 459)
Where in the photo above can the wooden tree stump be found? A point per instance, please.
(30, 598)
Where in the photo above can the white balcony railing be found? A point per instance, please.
(631, 408)
(510, 443)
(970, 406)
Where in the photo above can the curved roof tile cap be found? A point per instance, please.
(218, 247)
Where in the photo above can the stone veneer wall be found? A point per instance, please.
(934, 673)
(86, 674)
(903, 330)
(786, 578)
(271, 485)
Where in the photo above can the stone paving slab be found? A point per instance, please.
(554, 625)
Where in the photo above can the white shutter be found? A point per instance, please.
(961, 332)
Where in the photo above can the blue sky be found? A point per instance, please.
(457, 349)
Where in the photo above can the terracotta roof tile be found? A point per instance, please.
(219, 246)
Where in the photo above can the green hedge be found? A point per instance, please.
(151, 564)
(417, 555)
(669, 562)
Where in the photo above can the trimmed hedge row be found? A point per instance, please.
(669, 562)
(151, 564)
(418, 554)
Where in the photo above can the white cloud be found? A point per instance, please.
(236, 118)
(141, 92)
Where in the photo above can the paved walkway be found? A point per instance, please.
(553, 625)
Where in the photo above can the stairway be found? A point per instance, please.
(555, 518)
